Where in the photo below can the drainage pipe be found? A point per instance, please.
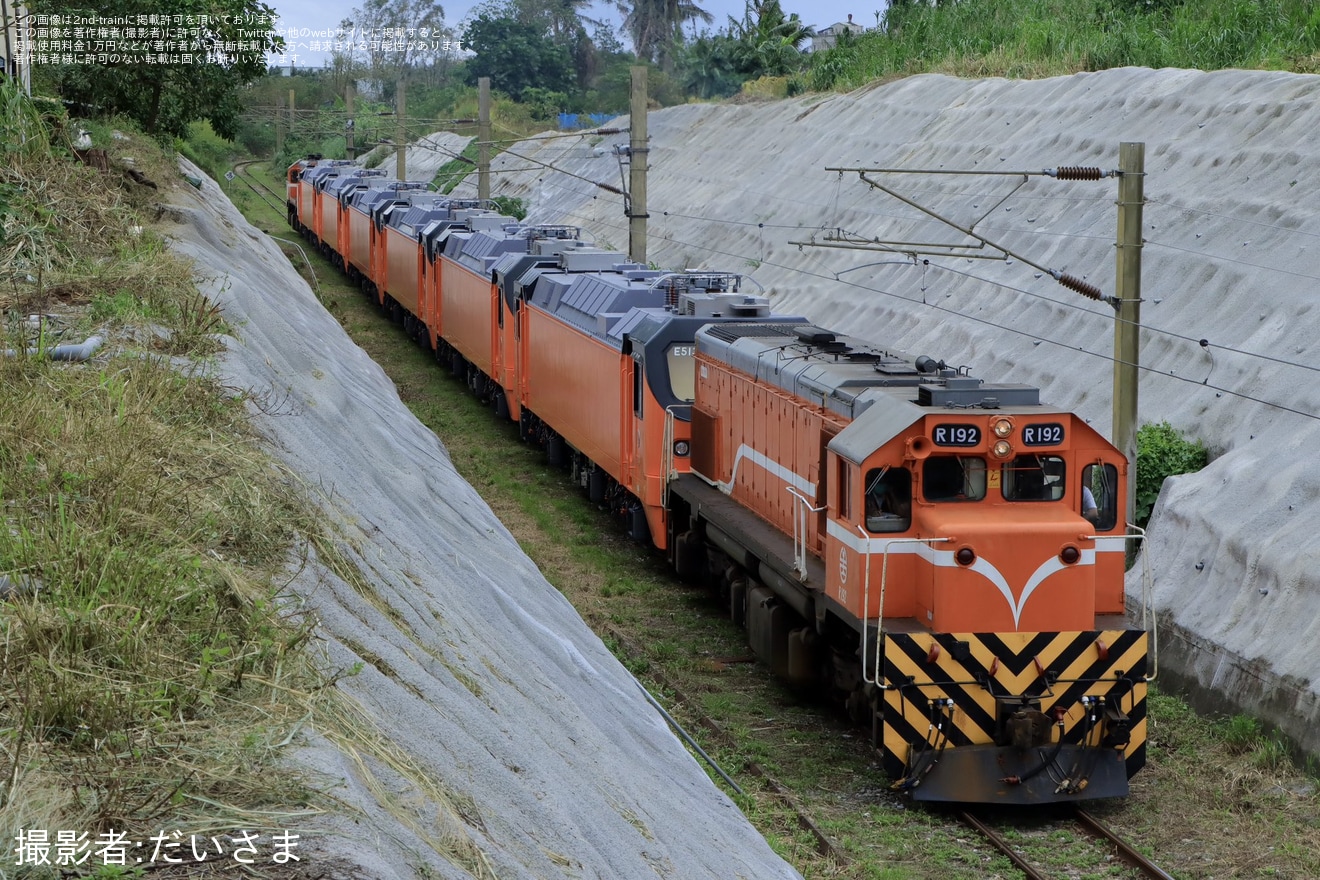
(67, 352)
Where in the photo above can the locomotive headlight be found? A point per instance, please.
(681, 447)
(965, 556)
(1002, 427)
(1069, 555)
(1002, 449)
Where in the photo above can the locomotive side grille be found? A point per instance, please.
(734, 332)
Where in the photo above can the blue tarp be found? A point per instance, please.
(570, 121)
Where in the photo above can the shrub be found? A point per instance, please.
(1162, 452)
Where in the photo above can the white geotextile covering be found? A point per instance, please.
(1232, 256)
(474, 667)
(425, 157)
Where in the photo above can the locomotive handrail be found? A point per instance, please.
(800, 511)
(880, 610)
(667, 472)
(1147, 589)
(667, 457)
(1147, 599)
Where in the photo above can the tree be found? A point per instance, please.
(764, 43)
(515, 55)
(656, 26)
(769, 43)
(390, 37)
(163, 89)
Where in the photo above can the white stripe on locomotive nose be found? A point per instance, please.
(982, 566)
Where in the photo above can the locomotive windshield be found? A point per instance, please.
(1034, 478)
(953, 478)
(682, 363)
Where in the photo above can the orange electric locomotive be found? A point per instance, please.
(942, 556)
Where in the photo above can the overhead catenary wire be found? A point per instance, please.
(1204, 343)
(995, 324)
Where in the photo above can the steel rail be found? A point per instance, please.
(1123, 849)
(1002, 845)
(241, 172)
(1089, 825)
(825, 845)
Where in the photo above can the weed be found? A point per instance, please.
(136, 665)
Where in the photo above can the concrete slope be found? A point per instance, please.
(512, 743)
(1231, 258)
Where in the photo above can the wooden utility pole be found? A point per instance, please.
(293, 119)
(483, 137)
(400, 134)
(279, 127)
(349, 123)
(637, 151)
(1127, 305)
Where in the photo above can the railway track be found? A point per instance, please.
(265, 193)
(1087, 825)
(825, 845)
(276, 203)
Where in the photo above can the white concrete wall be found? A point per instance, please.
(1232, 255)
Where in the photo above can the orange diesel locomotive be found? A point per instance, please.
(941, 555)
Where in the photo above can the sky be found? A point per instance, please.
(309, 17)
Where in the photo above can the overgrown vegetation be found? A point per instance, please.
(547, 57)
(159, 83)
(1036, 38)
(146, 667)
(1162, 452)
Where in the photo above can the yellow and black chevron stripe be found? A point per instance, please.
(924, 672)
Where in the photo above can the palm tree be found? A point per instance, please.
(656, 25)
(770, 41)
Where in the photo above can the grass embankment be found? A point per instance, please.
(148, 676)
(1217, 799)
(1039, 38)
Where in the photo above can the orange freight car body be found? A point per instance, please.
(468, 300)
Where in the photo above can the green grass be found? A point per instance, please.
(147, 667)
(1039, 38)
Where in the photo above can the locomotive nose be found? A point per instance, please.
(1004, 576)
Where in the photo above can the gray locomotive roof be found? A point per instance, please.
(321, 174)
(881, 390)
(419, 209)
(593, 301)
(480, 249)
(348, 179)
(368, 192)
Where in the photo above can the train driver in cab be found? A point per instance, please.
(888, 500)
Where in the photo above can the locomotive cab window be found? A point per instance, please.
(1034, 478)
(888, 499)
(953, 478)
(843, 475)
(1099, 496)
(639, 374)
(682, 370)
